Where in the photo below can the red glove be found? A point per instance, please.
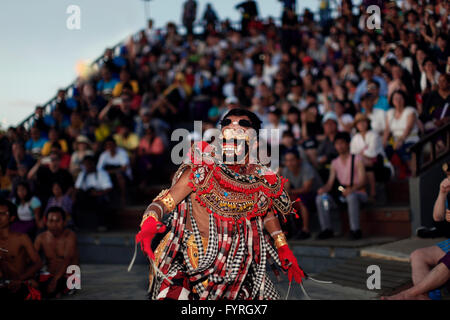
(148, 231)
(289, 262)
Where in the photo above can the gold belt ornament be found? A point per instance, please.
(192, 251)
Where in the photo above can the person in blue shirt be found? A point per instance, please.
(106, 85)
(366, 70)
(35, 144)
(380, 102)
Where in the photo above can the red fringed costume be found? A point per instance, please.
(219, 232)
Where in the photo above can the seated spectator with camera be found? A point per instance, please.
(93, 187)
(346, 183)
(48, 171)
(116, 162)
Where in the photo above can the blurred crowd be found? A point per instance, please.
(312, 76)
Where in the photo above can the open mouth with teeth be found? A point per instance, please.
(234, 152)
(234, 146)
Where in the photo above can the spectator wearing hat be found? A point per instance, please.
(349, 172)
(308, 67)
(82, 148)
(369, 146)
(366, 70)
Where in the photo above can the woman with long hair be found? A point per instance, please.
(28, 211)
(401, 130)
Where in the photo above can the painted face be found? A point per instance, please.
(236, 136)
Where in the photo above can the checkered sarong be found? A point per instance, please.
(234, 262)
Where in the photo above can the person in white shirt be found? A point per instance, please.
(377, 116)
(401, 124)
(429, 77)
(368, 144)
(93, 187)
(116, 162)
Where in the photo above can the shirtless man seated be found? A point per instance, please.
(19, 261)
(59, 247)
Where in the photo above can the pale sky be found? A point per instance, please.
(38, 54)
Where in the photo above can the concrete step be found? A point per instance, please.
(398, 250)
(108, 248)
(397, 192)
(319, 255)
(353, 273)
(390, 221)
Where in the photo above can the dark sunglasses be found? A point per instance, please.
(243, 123)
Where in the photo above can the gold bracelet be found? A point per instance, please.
(148, 215)
(280, 240)
(166, 198)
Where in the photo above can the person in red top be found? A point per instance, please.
(150, 155)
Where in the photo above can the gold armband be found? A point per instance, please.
(280, 240)
(166, 198)
(148, 215)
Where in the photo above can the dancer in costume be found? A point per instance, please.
(223, 221)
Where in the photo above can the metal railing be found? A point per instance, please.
(430, 149)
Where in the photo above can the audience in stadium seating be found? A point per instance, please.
(311, 80)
